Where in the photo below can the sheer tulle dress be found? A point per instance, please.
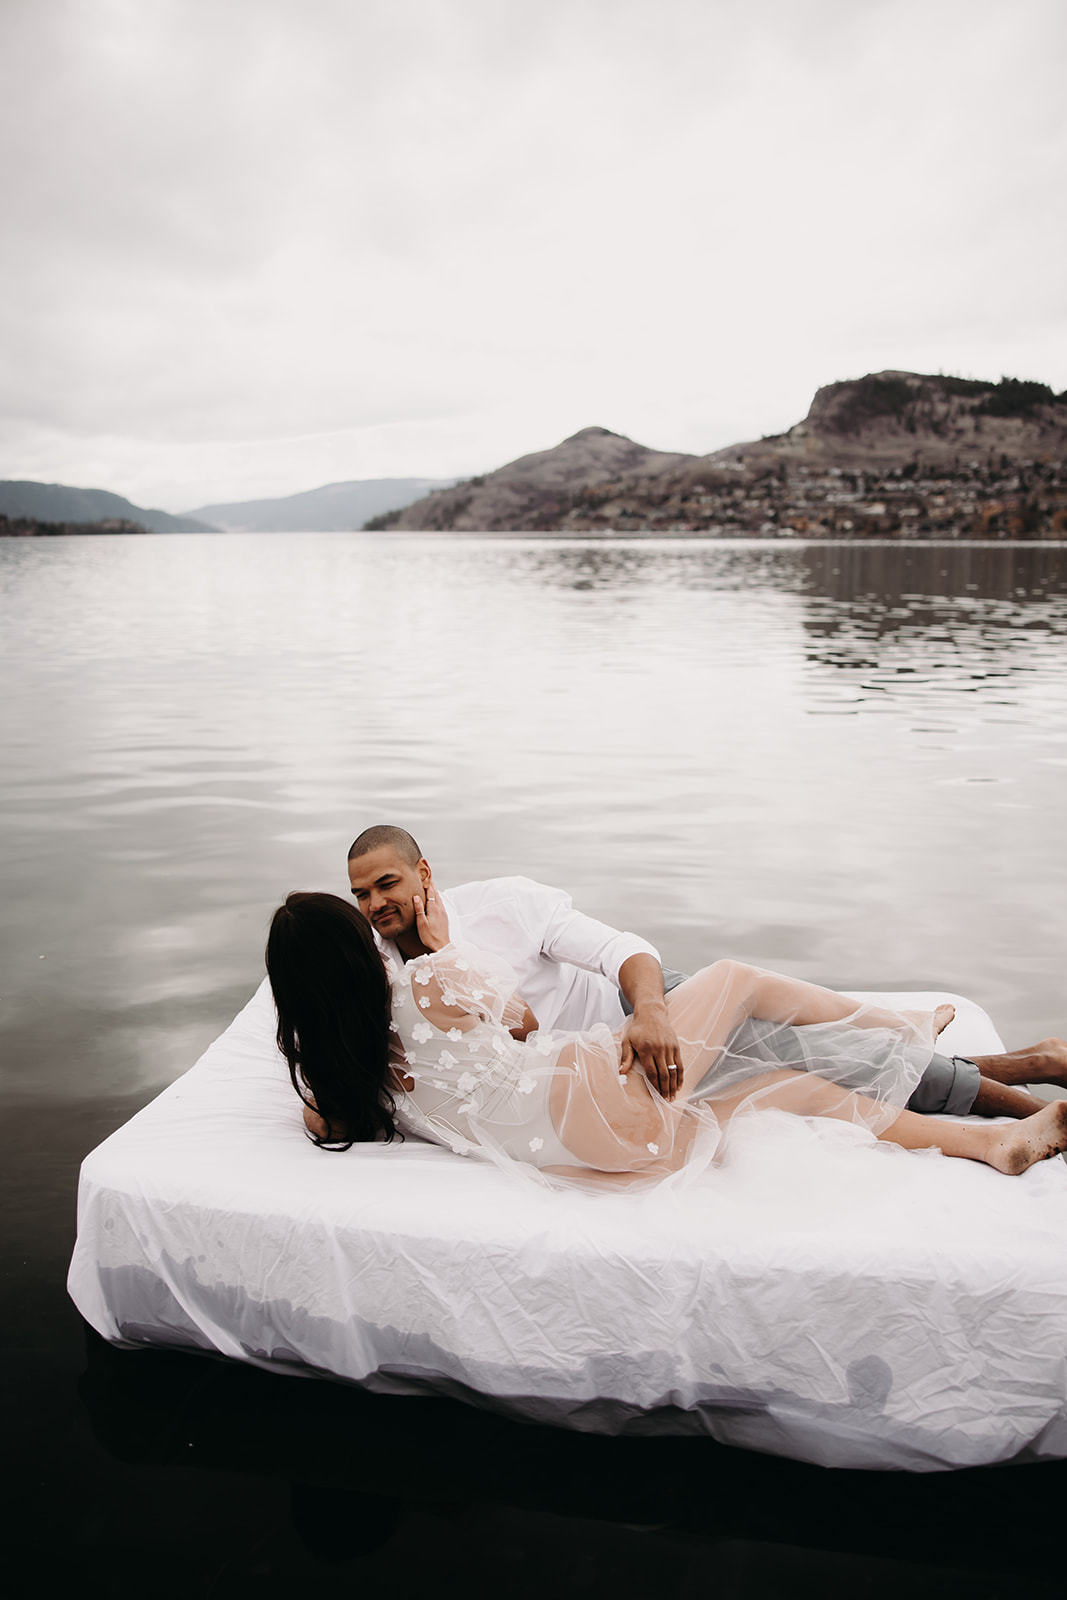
(559, 1101)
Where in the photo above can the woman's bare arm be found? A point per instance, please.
(315, 1124)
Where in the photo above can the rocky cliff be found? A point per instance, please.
(892, 418)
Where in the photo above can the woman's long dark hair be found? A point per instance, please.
(332, 995)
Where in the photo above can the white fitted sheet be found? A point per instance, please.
(820, 1296)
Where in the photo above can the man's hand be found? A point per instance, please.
(650, 1040)
(431, 919)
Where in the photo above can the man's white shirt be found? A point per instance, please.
(567, 964)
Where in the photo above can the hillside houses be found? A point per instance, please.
(974, 500)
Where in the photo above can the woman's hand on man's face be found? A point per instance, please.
(431, 919)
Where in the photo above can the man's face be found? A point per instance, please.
(385, 885)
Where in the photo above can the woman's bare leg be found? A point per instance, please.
(707, 1008)
(1009, 1149)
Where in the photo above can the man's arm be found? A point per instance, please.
(649, 1036)
(633, 965)
(570, 936)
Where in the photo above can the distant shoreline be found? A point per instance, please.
(595, 535)
(35, 528)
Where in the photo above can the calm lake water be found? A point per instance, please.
(847, 762)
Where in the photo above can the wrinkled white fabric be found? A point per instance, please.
(559, 1100)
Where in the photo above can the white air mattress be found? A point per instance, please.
(820, 1296)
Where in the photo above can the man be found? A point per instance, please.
(574, 971)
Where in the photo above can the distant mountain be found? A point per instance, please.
(57, 502)
(335, 508)
(536, 490)
(977, 457)
(997, 450)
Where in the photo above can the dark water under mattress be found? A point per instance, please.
(846, 762)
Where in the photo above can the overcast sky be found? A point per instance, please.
(252, 246)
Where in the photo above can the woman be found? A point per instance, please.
(445, 1049)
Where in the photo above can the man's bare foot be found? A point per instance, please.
(943, 1015)
(1013, 1150)
(1054, 1055)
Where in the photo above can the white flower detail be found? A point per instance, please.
(536, 1144)
(460, 1147)
(526, 1084)
(466, 1082)
(425, 1002)
(543, 1044)
(455, 1033)
(393, 1028)
(467, 1107)
(654, 1148)
(461, 965)
(472, 1049)
(498, 1044)
(421, 975)
(422, 1031)
(439, 1083)
(410, 1057)
(447, 1059)
(623, 1079)
(478, 994)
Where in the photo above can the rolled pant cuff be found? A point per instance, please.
(949, 1085)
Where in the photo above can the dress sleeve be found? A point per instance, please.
(464, 978)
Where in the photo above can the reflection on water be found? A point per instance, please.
(931, 623)
(439, 1497)
(847, 761)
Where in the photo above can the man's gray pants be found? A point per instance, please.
(949, 1084)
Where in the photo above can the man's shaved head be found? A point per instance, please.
(384, 837)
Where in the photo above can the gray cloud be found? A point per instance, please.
(257, 245)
